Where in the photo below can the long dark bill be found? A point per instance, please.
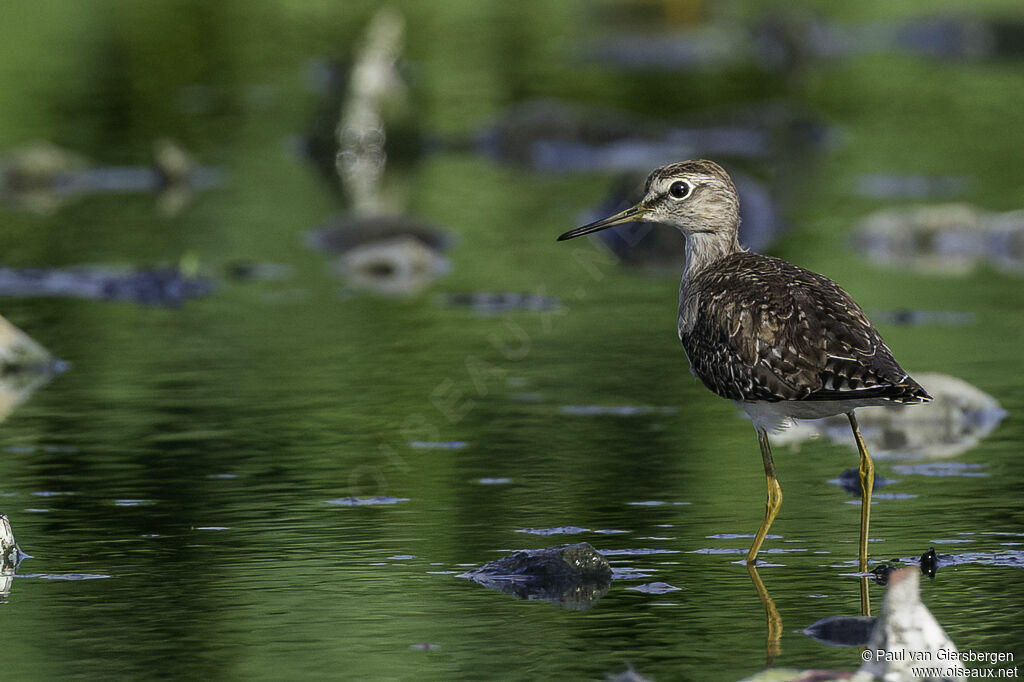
(630, 215)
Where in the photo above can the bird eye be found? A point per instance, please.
(679, 189)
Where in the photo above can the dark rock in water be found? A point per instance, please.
(929, 563)
(160, 286)
(841, 630)
(573, 576)
(849, 481)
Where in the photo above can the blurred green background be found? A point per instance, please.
(189, 453)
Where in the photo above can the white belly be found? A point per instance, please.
(779, 415)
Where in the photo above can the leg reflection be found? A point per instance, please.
(773, 619)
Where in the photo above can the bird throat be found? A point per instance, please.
(702, 249)
(706, 247)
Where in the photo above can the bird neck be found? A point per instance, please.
(704, 248)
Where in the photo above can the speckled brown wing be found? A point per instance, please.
(764, 329)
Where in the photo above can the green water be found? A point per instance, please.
(232, 421)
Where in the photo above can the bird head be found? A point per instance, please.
(695, 197)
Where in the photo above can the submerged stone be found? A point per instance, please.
(841, 630)
(573, 576)
(849, 481)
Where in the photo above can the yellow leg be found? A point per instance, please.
(867, 484)
(774, 501)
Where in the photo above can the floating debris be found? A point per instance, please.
(628, 573)
(616, 410)
(487, 303)
(167, 286)
(841, 630)
(437, 445)
(894, 186)
(942, 469)
(366, 501)
(573, 576)
(560, 530)
(642, 551)
(943, 239)
(958, 418)
(494, 481)
(65, 576)
(1008, 558)
(654, 588)
(425, 646)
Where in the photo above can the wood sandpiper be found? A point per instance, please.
(781, 342)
